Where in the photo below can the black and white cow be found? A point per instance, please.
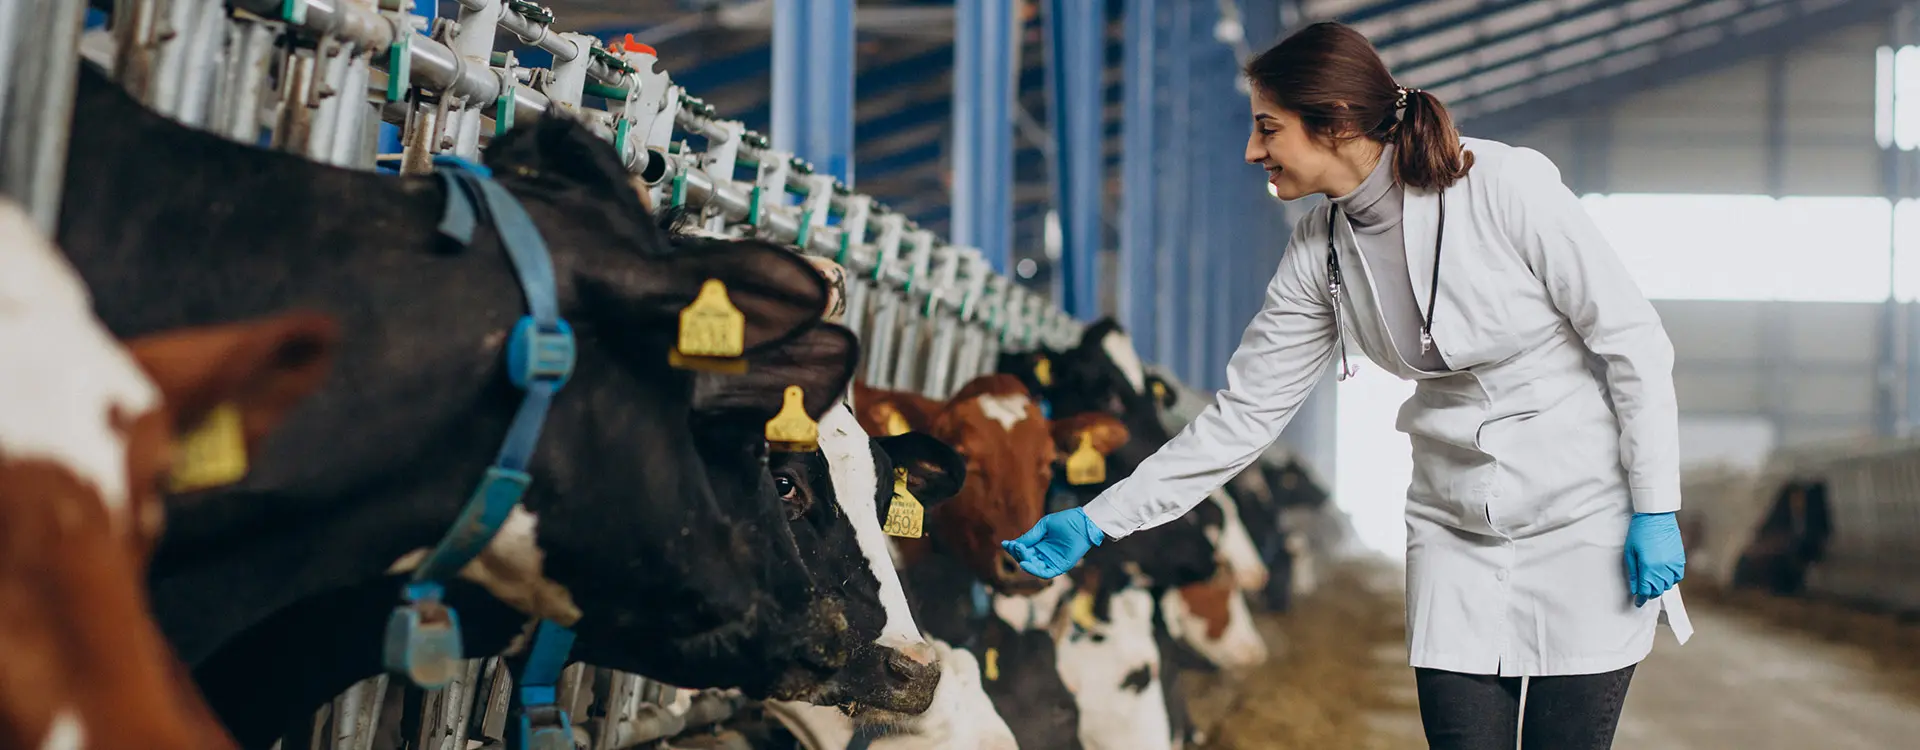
(652, 528)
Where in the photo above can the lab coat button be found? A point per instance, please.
(1502, 574)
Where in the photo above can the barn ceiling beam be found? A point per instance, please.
(1598, 84)
(1574, 62)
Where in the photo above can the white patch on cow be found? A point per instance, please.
(962, 717)
(511, 568)
(65, 733)
(1240, 646)
(1119, 348)
(1112, 716)
(64, 375)
(1008, 410)
(850, 465)
(1034, 612)
(1236, 547)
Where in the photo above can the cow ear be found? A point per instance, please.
(559, 151)
(819, 361)
(1162, 391)
(262, 367)
(777, 292)
(1107, 431)
(935, 471)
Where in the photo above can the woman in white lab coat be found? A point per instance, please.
(1541, 543)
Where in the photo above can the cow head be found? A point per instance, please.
(1102, 373)
(90, 434)
(837, 504)
(995, 423)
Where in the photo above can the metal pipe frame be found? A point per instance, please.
(36, 102)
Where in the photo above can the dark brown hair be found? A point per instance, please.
(1333, 78)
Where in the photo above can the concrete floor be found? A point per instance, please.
(1737, 685)
(1743, 685)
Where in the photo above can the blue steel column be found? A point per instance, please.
(983, 82)
(1138, 210)
(1229, 252)
(1076, 59)
(813, 83)
(1202, 69)
(1178, 147)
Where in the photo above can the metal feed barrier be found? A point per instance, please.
(319, 77)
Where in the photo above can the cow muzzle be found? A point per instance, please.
(1010, 579)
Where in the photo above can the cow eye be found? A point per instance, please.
(786, 487)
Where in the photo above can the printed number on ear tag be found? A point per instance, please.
(1086, 465)
(713, 333)
(792, 430)
(1081, 610)
(906, 517)
(1043, 372)
(992, 668)
(213, 454)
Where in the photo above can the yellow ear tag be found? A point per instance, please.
(1086, 465)
(992, 668)
(792, 430)
(906, 517)
(713, 332)
(1159, 391)
(213, 454)
(1043, 372)
(1080, 610)
(896, 424)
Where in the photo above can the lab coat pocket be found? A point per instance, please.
(1450, 471)
(1508, 506)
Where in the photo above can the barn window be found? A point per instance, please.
(1896, 100)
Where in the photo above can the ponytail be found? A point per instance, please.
(1426, 148)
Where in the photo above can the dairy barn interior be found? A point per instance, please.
(1038, 242)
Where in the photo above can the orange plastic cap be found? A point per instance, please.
(629, 45)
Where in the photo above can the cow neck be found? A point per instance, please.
(423, 634)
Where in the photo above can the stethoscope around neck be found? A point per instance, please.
(1333, 287)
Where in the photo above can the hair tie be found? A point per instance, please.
(1400, 96)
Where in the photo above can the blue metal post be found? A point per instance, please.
(983, 129)
(1177, 148)
(1138, 194)
(1075, 60)
(1202, 68)
(1230, 245)
(813, 83)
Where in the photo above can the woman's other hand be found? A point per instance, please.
(1656, 558)
(1056, 543)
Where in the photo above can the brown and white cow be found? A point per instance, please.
(90, 432)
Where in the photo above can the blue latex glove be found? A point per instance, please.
(1056, 543)
(1656, 560)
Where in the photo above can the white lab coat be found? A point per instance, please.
(1556, 424)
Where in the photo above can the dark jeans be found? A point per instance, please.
(1482, 712)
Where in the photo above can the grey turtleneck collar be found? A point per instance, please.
(1374, 207)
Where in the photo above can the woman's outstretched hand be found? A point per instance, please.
(1056, 543)
(1656, 559)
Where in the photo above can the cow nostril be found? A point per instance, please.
(1008, 567)
(906, 667)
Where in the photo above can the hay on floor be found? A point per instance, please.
(1324, 678)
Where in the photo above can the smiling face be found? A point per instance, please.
(1300, 162)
